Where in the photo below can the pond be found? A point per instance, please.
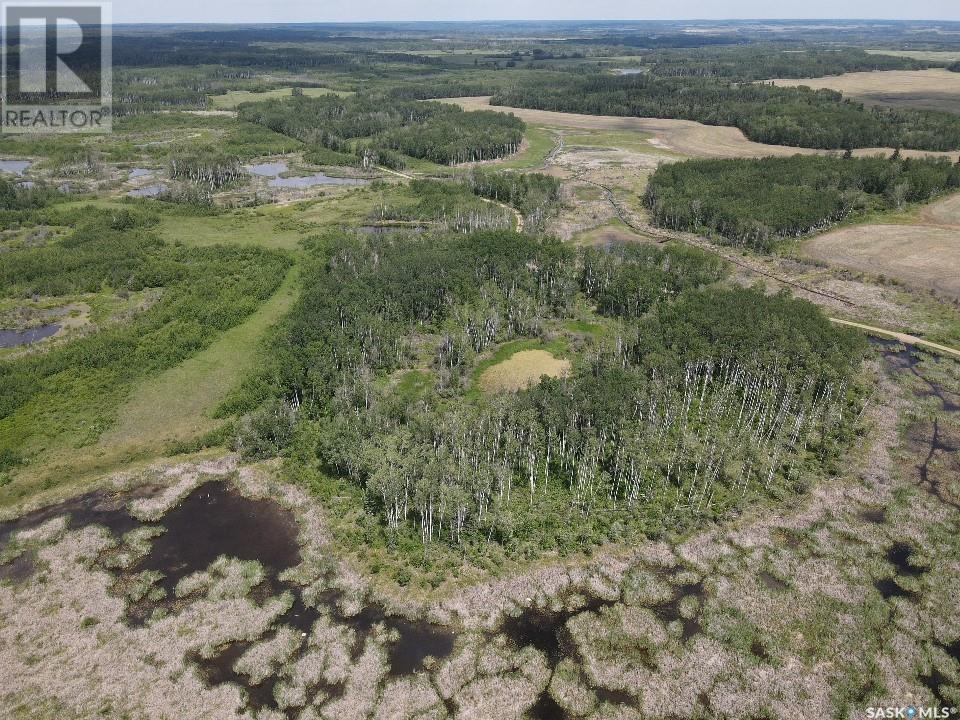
(274, 170)
(307, 181)
(268, 169)
(17, 167)
(148, 191)
(15, 338)
(140, 172)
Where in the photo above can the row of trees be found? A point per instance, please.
(796, 116)
(206, 167)
(763, 61)
(755, 202)
(439, 132)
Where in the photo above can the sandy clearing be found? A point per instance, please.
(943, 212)
(523, 369)
(683, 137)
(936, 89)
(925, 256)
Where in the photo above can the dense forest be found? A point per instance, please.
(748, 63)
(755, 202)
(377, 128)
(798, 116)
(677, 415)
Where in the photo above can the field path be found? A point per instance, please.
(178, 403)
(902, 337)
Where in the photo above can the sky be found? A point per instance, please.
(239, 11)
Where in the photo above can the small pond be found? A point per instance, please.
(140, 172)
(15, 338)
(148, 191)
(307, 181)
(17, 167)
(274, 170)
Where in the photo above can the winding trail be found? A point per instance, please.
(703, 244)
(518, 216)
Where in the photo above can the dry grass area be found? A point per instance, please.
(936, 89)
(673, 137)
(614, 233)
(943, 212)
(923, 256)
(521, 370)
(926, 254)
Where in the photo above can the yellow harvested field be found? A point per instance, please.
(937, 55)
(523, 369)
(678, 137)
(921, 255)
(936, 89)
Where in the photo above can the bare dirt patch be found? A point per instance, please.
(943, 212)
(924, 256)
(522, 370)
(935, 89)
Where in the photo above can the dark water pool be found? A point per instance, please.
(148, 191)
(15, 338)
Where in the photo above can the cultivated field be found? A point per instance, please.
(674, 137)
(936, 55)
(936, 89)
(926, 254)
(230, 100)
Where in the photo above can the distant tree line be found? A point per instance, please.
(375, 127)
(763, 61)
(756, 202)
(796, 116)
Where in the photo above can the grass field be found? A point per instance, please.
(676, 137)
(263, 227)
(175, 405)
(539, 145)
(232, 99)
(612, 233)
(936, 89)
(178, 404)
(925, 254)
(520, 364)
